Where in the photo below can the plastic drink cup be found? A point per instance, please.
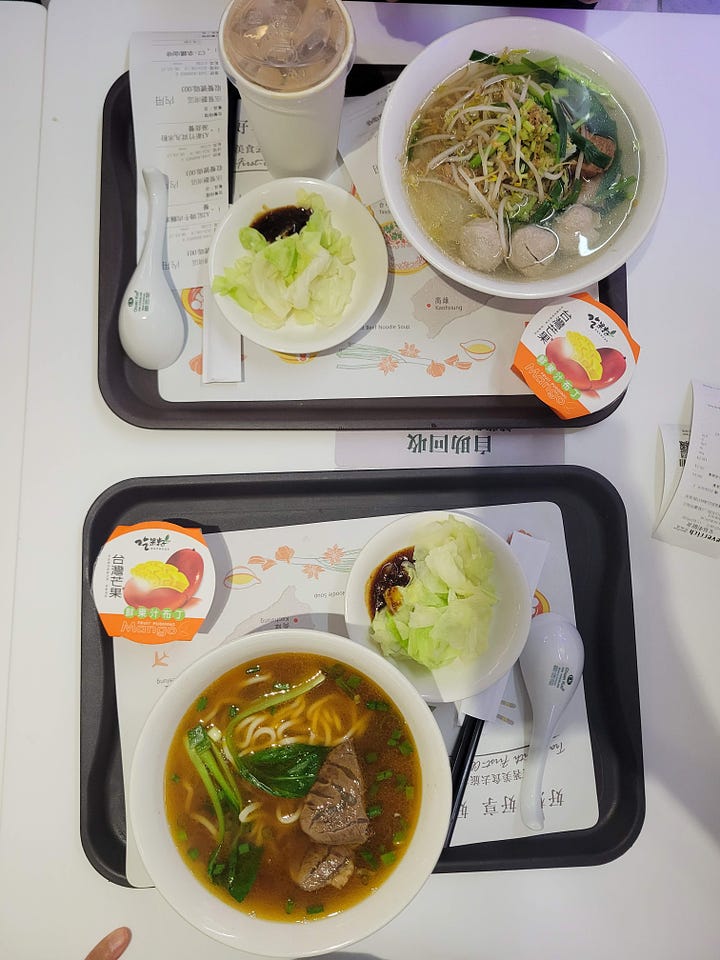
(289, 60)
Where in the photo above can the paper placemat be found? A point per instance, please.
(430, 337)
(294, 576)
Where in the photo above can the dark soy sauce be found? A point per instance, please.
(281, 222)
(390, 573)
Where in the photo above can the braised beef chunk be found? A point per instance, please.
(334, 809)
(324, 866)
(605, 145)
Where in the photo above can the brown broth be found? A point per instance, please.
(284, 844)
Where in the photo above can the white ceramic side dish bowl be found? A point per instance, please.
(350, 217)
(509, 626)
(213, 916)
(447, 54)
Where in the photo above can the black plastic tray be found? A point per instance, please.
(596, 535)
(132, 393)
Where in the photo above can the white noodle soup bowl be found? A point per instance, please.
(450, 52)
(231, 926)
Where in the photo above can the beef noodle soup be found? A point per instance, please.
(292, 787)
(520, 164)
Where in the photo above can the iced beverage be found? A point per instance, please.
(289, 60)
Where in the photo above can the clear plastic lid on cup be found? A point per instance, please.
(285, 45)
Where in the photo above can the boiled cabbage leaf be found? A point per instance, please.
(446, 609)
(305, 277)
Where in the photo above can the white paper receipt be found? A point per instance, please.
(692, 517)
(179, 103)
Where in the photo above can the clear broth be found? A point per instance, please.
(442, 210)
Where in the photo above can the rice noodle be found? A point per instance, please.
(220, 705)
(203, 821)
(254, 678)
(287, 818)
(248, 810)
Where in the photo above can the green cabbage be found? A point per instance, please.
(305, 277)
(447, 606)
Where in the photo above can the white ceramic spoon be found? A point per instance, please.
(551, 664)
(151, 323)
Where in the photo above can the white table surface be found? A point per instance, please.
(22, 26)
(659, 900)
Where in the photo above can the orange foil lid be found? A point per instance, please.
(153, 582)
(576, 356)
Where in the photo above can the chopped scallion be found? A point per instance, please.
(369, 858)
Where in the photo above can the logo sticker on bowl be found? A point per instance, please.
(153, 582)
(576, 356)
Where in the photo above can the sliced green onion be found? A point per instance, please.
(369, 858)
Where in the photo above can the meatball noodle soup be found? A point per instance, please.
(521, 164)
(292, 787)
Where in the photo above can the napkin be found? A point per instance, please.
(221, 345)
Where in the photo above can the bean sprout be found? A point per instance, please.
(503, 142)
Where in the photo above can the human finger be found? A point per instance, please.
(112, 946)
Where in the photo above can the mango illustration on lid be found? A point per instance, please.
(153, 582)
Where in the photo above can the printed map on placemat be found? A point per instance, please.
(430, 337)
